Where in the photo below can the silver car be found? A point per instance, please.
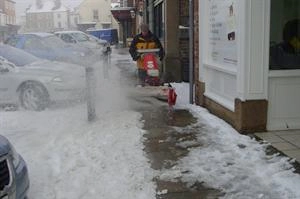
(84, 40)
(33, 83)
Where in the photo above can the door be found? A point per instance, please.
(8, 92)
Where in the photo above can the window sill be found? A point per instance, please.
(284, 73)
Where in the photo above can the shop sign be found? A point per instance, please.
(222, 35)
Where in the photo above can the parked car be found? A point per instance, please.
(14, 180)
(48, 46)
(33, 83)
(110, 34)
(84, 40)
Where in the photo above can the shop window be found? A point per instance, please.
(285, 34)
(95, 15)
(158, 20)
(76, 20)
(106, 26)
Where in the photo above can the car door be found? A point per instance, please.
(36, 47)
(8, 83)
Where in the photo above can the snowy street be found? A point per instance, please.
(71, 158)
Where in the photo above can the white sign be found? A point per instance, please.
(223, 31)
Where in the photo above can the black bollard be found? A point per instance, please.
(91, 93)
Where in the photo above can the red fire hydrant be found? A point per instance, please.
(171, 96)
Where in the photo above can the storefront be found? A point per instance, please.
(247, 76)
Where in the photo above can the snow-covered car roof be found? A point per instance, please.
(40, 34)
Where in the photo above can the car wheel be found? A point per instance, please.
(34, 97)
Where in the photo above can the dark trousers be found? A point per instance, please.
(142, 75)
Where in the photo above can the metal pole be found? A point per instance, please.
(124, 33)
(106, 62)
(91, 86)
(191, 50)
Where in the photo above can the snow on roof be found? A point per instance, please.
(71, 4)
(47, 6)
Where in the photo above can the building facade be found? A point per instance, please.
(168, 19)
(74, 18)
(7, 19)
(47, 16)
(96, 12)
(240, 73)
(249, 71)
(8, 8)
(124, 12)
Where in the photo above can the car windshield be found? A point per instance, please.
(80, 37)
(17, 56)
(54, 42)
(96, 39)
(93, 38)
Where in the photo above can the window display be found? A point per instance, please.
(285, 35)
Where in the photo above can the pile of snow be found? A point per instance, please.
(233, 163)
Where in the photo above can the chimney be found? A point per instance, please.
(57, 4)
(39, 4)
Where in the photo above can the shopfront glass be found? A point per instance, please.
(285, 35)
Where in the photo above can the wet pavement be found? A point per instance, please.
(163, 133)
(163, 150)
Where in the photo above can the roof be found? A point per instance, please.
(72, 3)
(47, 6)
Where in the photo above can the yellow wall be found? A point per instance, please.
(103, 6)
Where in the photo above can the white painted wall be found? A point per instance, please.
(247, 79)
(219, 76)
(103, 6)
(62, 18)
(284, 85)
(253, 50)
(2, 19)
(284, 98)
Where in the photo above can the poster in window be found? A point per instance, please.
(223, 31)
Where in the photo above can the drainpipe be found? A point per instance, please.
(124, 27)
(191, 50)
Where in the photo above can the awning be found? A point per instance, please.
(122, 13)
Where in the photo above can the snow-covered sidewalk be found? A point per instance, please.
(69, 157)
(233, 163)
